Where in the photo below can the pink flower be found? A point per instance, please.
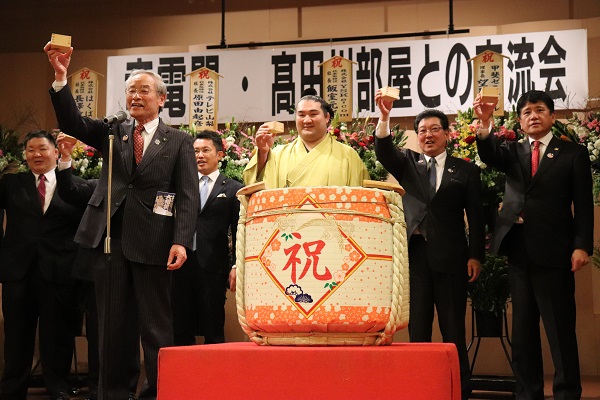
(339, 275)
(473, 126)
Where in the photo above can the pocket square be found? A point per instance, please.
(221, 195)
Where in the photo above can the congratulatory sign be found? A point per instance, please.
(264, 85)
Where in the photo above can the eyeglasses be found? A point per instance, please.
(433, 130)
(144, 91)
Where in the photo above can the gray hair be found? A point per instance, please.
(161, 87)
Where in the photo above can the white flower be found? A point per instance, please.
(581, 132)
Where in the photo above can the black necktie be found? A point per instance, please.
(432, 173)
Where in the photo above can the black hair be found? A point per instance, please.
(311, 94)
(213, 136)
(39, 134)
(431, 113)
(535, 96)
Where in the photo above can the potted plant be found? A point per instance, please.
(489, 295)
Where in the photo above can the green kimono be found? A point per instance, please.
(330, 163)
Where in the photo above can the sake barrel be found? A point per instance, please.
(322, 265)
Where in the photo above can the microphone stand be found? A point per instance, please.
(107, 283)
(111, 139)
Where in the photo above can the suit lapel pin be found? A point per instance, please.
(157, 142)
(164, 139)
(556, 149)
(550, 155)
(451, 170)
(421, 161)
(125, 138)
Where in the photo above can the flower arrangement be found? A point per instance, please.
(238, 143)
(86, 161)
(461, 144)
(11, 152)
(358, 134)
(584, 128)
(9, 162)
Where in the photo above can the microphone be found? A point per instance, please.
(117, 118)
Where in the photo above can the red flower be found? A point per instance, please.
(470, 139)
(90, 154)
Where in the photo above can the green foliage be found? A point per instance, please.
(491, 291)
(595, 257)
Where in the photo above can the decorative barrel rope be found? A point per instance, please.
(283, 236)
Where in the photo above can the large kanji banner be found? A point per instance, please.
(264, 84)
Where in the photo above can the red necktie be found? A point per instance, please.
(42, 190)
(138, 143)
(535, 157)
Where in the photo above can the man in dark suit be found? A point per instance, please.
(440, 189)
(546, 228)
(78, 192)
(151, 163)
(200, 285)
(36, 259)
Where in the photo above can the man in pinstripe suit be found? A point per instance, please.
(133, 286)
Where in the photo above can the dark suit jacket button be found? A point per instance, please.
(130, 186)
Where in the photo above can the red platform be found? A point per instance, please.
(411, 371)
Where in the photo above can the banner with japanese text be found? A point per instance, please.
(84, 87)
(264, 84)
